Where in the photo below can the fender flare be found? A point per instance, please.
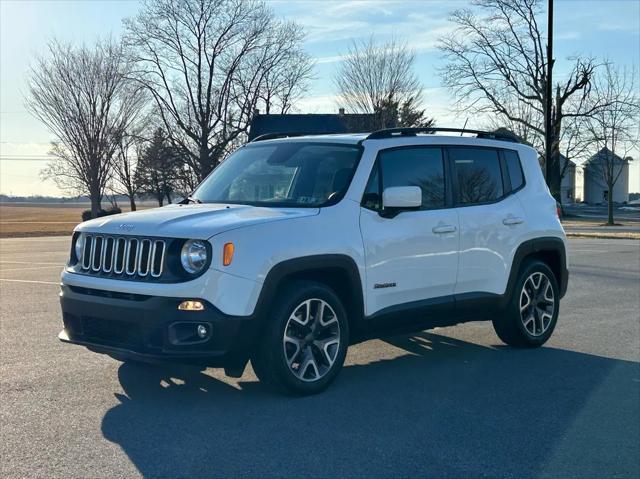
(544, 244)
(279, 273)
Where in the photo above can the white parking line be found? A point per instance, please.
(31, 253)
(30, 262)
(27, 269)
(28, 281)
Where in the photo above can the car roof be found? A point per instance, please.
(400, 140)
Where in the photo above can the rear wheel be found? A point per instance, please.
(306, 340)
(532, 312)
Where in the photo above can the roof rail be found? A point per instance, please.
(392, 132)
(273, 136)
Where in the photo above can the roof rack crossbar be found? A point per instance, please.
(391, 132)
(290, 134)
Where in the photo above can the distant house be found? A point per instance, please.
(568, 184)
(595, 186)
(312, 123)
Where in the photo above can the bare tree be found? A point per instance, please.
(206, 64)
(129, 148)
(574, 142)
(380, 79)
(614, 128)
(497, 65)
(520, 129)
(82, 95)
(159, 168)
(289, 78)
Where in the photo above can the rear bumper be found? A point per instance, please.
(151, 328)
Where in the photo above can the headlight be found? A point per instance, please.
(79, 246)
(193, 256)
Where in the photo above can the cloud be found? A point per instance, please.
(336, 22)
(617, 27)
(330, 59)
(318, 104)
(24, 150)
(567, 35)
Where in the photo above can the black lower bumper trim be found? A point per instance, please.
(142, 329)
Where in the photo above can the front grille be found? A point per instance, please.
(123, 256)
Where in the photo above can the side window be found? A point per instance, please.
(477, 175)
(514, 168)
(415, 166)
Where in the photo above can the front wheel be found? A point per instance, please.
(532, 312)
(306, 340)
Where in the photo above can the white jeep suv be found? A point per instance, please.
(296, 247)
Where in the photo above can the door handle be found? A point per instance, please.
(443, 229)
(511, 220)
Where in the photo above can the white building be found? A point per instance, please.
(595, 186)
(568, 184)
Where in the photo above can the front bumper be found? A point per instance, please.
(151, 328)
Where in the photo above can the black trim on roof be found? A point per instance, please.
(394, 132)
(273, 136)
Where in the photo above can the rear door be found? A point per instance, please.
(492, 220)
(412, 256)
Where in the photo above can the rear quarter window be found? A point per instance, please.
(514, 169)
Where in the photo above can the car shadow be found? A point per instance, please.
(444, 408)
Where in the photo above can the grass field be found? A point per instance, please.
(39, 220)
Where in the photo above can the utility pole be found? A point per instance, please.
(549, 168)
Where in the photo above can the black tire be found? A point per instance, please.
(516, 328)
(269, 360)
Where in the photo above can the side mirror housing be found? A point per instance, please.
(402, 197)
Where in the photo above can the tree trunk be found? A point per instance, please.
(95, 202)
(553, 175)
(160, 198)
(132, 202)
(610, 221)
(204, 159)
(554, 179)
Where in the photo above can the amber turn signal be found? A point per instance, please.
(191, 305)
(227, 254)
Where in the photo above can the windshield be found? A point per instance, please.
(282, 174)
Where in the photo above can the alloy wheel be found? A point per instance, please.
(537, 304)
(311, 339)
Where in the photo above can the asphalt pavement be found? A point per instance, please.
(451, 402)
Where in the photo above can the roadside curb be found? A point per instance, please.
(625, 236)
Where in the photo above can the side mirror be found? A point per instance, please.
(402, 197)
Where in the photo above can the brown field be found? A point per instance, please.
(39, 220)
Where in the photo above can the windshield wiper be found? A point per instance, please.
(190, 199)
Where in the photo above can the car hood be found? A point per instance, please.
(198, 221)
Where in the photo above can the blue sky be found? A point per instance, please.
(600, 28)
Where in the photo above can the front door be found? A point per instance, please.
(412, 256)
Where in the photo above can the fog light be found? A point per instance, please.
(202, 331)
(191, 306)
